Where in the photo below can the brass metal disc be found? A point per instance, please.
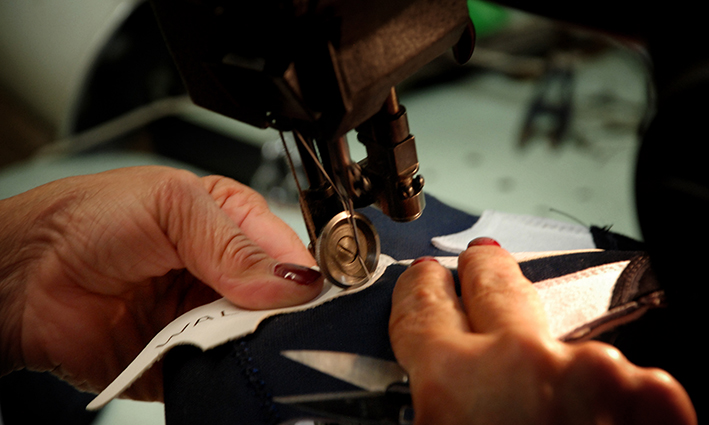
(337, 254)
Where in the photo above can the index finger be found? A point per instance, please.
(496, 294)
(425, 310)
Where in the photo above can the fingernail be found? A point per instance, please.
(299, 274)
(422, 259)
(483, 241)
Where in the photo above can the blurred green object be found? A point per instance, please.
(487, 17)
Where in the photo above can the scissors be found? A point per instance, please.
(384, 399)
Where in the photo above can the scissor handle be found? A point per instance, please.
(399, 396)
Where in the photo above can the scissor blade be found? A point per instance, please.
(369, 373)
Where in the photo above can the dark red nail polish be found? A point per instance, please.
(299, 274)
(483, 241)
(422, 259)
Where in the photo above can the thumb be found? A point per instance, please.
(216, 250)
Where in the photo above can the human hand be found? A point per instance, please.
(92, 267)
(492, 360)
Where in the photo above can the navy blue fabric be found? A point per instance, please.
(413, 239)
(549, 268)
(236, 382)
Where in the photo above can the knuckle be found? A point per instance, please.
(179, 177)
(416, 291)
(175, 185)
(528, 351)
(173, 197)
(245, 203)
(423, 296)
(224, 188)
(240, 250)
(602, 364)
(522, 341)
(599, 354)
(254, 203)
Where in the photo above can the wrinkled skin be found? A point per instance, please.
(490, 359)
(92, 267)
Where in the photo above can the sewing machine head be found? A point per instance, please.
(321, 69)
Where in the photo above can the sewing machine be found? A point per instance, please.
(322, 68)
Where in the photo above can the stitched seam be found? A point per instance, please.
(590, 272)
(255, 383)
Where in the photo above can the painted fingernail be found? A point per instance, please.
(483, 241)
(299, 274)
(422, 259)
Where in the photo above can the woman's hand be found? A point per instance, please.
(92, 267)
(491, 360)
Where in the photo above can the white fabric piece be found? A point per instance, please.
(519, 233)
(575, 299)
